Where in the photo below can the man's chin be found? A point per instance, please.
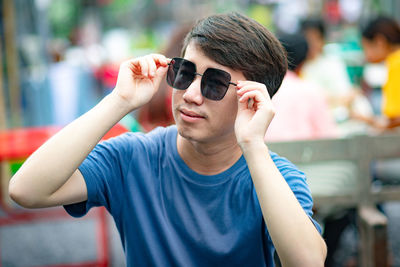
(187, 133)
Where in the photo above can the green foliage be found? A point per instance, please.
(262, 14)
(63, 17)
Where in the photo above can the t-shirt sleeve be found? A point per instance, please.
(296, 180)
(103, 171)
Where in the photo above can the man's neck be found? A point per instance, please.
(209, 158)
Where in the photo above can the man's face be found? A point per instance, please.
(201, 119)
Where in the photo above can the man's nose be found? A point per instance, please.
(193, 92)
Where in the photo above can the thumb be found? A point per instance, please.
(160, 74)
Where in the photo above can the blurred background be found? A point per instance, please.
(58, 58)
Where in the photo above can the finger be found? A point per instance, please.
(245, 86)
(242, 106)
(162, 65)
(160, 60)
(250, 85)
(249, 104)
(160, 73)
(248, 88)
(133, 65)
(144, 66)
(256, 96)
(242, 83)
(251, 91)
(152, 66)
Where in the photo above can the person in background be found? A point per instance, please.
(71, 83)
(329, 72)
(301, 109)
(204, 192)
(381, 42)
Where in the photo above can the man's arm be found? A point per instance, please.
(393, 122)
(50, 176)
(380, 124)
(295, 237)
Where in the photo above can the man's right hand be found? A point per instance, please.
(50, 176)
(139, 79)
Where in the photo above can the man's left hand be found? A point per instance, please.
(255, 112)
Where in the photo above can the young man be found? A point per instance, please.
(206, 192)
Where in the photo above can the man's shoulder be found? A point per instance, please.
(161, 132)
(139, 142)
(295, 178)
(279, 160)
(285, 166)
(161, 136)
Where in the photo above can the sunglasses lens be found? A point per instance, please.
(180, 73)
(215, 83)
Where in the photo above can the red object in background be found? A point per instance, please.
(17, 144)
(107, 75)
(118, 129)
(332, 11)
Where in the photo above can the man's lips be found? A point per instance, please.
(191, 113)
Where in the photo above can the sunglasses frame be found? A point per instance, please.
(203, 76)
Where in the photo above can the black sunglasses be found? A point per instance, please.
(214, 82)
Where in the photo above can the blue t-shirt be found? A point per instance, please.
(169, 215)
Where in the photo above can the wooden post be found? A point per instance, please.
(3, 120)
(373, 237)
(11, 56)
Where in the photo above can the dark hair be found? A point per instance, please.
(238, 42)
(296, 47)
(313, 24)
(385, 26)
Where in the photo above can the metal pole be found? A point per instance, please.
(11, 56)
(3, 122)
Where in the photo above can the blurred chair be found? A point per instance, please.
(357, 152)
